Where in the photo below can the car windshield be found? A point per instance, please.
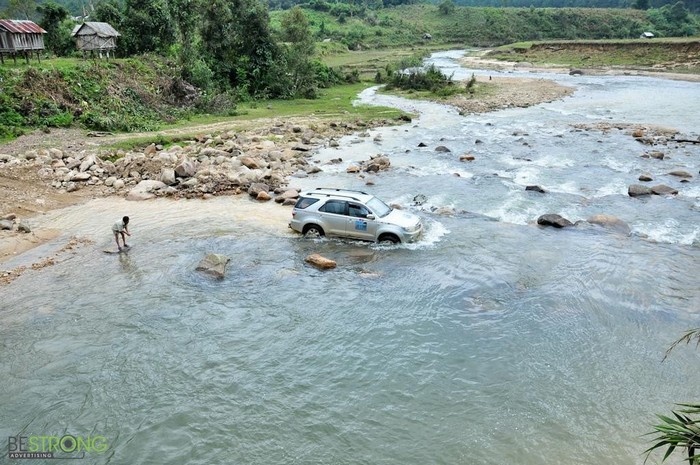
(378, 207)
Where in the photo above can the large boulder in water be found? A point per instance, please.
(637, 190)
(214, 264)
(663, 189)
(610, 222)
(552, 219)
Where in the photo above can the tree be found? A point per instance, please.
(24, 9)
(109, 12)
(682, 430)
(187, 19)
(447, 7)
(238, 45)
(52, 15)
(641, 4)
(299, 49)
(147, 26)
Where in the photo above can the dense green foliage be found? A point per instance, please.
(407, 25)
(431, 79)
(128, 95)
(234, 51)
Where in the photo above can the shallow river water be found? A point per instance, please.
(490, 341)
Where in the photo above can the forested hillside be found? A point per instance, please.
(217, 53)
(20, 8)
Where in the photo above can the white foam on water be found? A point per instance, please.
(433, 233)
(692, 192)
(514, 210)
(614, 188)
(668, 232)
(527, 176)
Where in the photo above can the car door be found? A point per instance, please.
(335, 216)
(358, 226)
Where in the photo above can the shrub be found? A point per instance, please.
(431, 79)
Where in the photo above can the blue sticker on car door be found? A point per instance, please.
(360, 225)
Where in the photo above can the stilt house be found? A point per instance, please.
(93, 37)
(20, 37)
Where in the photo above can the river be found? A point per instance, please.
(490, 341)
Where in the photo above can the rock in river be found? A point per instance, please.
(214, 264)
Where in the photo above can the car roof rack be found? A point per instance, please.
(332, 191)
(339, 190)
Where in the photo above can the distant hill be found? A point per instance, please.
(691, 5)
(76, 6)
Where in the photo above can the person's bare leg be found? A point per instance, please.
(116, 238)
(124, 239)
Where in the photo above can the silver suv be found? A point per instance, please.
(352, 214)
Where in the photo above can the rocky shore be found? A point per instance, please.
(43, 172)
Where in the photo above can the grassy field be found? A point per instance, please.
(335, 104)
(674, 54)
(368, 62)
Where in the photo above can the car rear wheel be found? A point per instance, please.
(388, 239)
(313, 231)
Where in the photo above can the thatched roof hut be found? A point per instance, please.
(20, 36)
(95, 36)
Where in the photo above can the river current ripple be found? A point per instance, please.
(491, 341)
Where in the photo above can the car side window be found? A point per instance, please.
(339, 207)
(356, 210)
(304, 202)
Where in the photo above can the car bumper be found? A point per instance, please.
(295, 225)
(411, 236)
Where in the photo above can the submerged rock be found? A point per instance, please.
(610, 222)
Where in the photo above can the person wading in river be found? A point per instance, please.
(120, 228)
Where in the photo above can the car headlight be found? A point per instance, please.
(413, 228)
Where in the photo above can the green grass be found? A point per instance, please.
(632, 53)
(59, 64)
(368, 62)
(335, 104)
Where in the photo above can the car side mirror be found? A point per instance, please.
(370, 216)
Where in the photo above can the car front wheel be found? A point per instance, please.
(313, 231)
(388, 239)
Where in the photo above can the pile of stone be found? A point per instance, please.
(227, 163)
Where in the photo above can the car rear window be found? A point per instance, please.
(304, 202)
